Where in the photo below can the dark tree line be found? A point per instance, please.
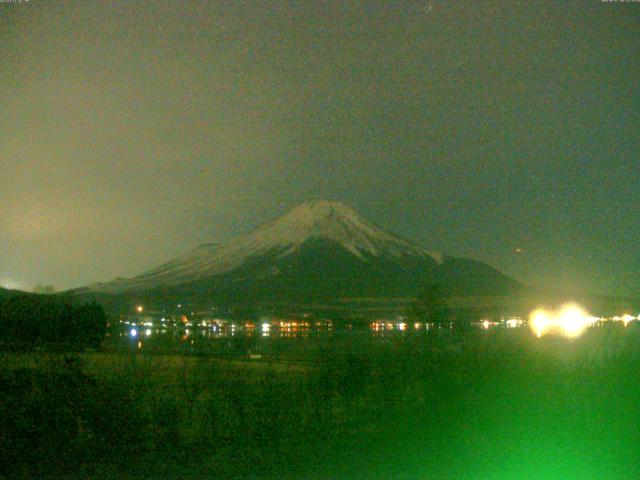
(432, 305)
(42, 320)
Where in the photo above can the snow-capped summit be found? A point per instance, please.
(318, 246)
(332, 221)
(315, 219)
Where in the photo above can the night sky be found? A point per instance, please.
(131, 132)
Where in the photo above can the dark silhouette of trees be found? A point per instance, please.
(432, 305)
(90, 323)
(44, 289)
(41, 320)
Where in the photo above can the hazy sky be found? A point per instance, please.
(133, 131)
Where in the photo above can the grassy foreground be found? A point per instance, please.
(497, 405)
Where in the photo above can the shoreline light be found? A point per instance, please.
(626, 318)
(540, 321)
(570, 320)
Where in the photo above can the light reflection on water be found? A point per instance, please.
(176, 335)
(142, 333)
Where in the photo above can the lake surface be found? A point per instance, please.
(290, 339)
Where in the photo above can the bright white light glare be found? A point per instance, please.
(265, 327)
(402, 326)
(540, 321)
(626, 318)
(574, 320)
(133, 332)
(571, 320)
(147, 332)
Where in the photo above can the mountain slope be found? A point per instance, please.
(322, 270)
(5, 293)
(319, 249)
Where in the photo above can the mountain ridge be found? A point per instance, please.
(321, 245)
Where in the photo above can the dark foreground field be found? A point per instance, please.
(501, 405)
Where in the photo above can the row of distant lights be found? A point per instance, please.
(383, 325)
(509, 323)
(570, 320)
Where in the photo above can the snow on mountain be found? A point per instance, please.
(329, 220)
(322, 219)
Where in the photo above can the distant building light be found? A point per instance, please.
(139, 309)
(513, 322)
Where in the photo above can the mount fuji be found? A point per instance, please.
(319, 250)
